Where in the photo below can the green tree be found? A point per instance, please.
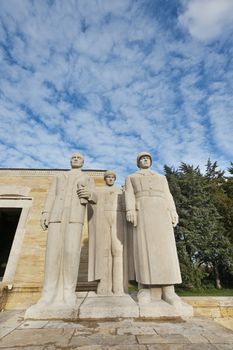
(220, 189)
(227, 210)
(203, 246)
(185, 186)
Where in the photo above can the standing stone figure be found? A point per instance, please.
(151, 210)
(107, 228)
(63, 215)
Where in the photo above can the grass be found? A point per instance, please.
(224, 292)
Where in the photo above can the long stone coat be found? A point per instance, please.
(154, 248)
(66, 213)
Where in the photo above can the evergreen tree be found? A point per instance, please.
(184, 186)
(203, 245)
(228, 207)
(219, 187)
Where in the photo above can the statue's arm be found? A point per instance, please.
(44, 222)
(130, 202)
(170, 204)
(93, 196)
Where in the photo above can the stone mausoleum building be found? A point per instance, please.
(22, 240)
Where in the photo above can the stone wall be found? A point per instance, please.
(219, 309)
(25, 267)
(212, 307)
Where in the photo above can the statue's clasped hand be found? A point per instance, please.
(131, 216)
(83, 192)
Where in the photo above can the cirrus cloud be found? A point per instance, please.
(111, 79)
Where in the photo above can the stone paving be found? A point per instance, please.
(197, 333)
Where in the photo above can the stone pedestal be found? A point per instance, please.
(108, 307)
(93, 306)
(161, 309)
(157, 309)
(54, 311)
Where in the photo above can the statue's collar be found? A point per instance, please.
(145, 172)
(73, 172)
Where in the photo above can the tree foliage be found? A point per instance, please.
(204, 234)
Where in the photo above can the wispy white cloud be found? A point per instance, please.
(111, 79)
(207, 19)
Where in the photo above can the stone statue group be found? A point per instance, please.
(130, 237)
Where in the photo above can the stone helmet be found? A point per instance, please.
(109, 172)
(141, 154)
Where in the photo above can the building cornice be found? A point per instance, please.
(44, 172)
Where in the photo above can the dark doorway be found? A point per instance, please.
(9, 218)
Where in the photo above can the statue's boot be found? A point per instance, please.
(103, 288)
(118, 287)
(169, 295)
(144, 296)
(70, 298)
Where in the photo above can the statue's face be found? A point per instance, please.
(144, 162)
(76, 161)
(110, 180)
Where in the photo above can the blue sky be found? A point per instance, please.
(113, 78)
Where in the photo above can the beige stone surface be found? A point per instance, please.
(197, 333)
(136, 330)
(212, 307)
(170, 338)
(157, 309)
(28, 272)
(226, 322)
(29, 338)
(108, 307)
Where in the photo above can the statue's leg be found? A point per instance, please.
(105, 284)
(144, 294)
(53, 261)
(169, 295)
(117, 255)
(72, 250)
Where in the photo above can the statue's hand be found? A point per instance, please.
(44, 221)
(83, 192)
(175, 218)
(131, 216)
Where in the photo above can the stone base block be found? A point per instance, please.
(157, 309)
(99, 307)
(53, 312)
(162, 309)
(93, 306)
